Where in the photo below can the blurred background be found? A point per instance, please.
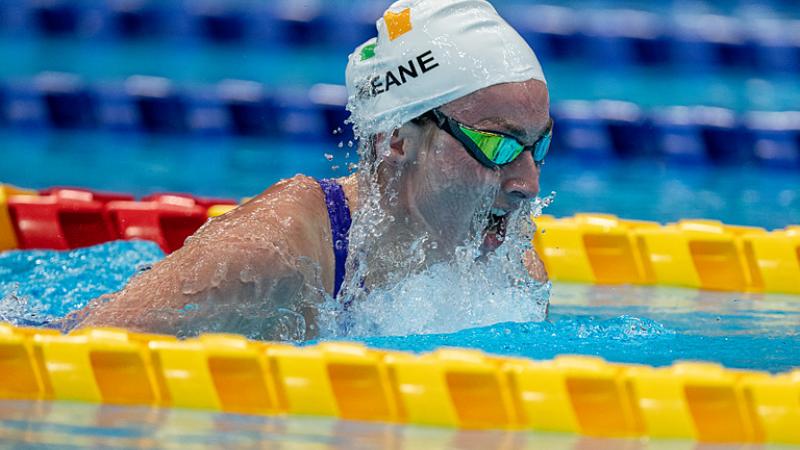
(663, 110)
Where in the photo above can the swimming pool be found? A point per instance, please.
(651, 325)
(655, 326)
(237, 168)
(641, 325)
(51, 425)
(626, 324)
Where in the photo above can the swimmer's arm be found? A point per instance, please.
(208, 288)
(251, 271)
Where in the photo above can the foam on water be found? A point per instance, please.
(444, 299)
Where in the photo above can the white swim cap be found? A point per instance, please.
(431, 52)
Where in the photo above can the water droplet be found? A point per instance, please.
(328, 156)
(341, 145)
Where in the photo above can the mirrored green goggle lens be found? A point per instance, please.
(504, 149)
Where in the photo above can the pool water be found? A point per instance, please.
(67, 425)
(650, 325)
(628, 324)
(643, 189)
(645, 325)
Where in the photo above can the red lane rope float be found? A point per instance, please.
(586, 248)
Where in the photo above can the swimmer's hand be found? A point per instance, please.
(535, 266)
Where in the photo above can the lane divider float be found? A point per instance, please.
(457, 388)
(706, 254)
(586, 248)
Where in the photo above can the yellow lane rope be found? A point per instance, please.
(449, 387)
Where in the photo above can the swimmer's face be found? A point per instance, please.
(451, 192)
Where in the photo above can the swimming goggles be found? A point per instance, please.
(493, 149)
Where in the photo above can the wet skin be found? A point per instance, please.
(245, 272)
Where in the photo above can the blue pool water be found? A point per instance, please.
(645, 325)
(640, 188)
(651, 325)
(38, 287)
(68, 425)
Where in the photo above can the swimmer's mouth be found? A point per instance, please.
(495, 231)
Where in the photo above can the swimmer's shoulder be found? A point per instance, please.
(290, 217)
(291, 208)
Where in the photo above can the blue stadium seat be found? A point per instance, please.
(691, 47)
(331, 100)
(23, 106)
(622, 37)
(723, 135)
(581, 131)
(206, 114)
(298, 23)
(652, 43)
(707, 41)
(5, 19)
(739, 52)
(552, 31)
(138, 19)
(251, 109)
(350, 27)
(15, 18)
(777, 46)
(221, 22)
(775, 138)
(629, 129)
(606, 50)
(56, 17)
(68, 101)
(161, 107)
(678, 138)
(299, 117)
(116, 110)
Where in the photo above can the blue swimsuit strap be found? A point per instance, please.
(339, 214)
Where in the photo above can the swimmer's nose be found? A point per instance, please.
(521, 178)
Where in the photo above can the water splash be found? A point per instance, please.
(38, 287)
(540, 203)
(398, 287)
(442, 300)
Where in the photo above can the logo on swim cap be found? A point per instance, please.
(368, 51)
(398, 24)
